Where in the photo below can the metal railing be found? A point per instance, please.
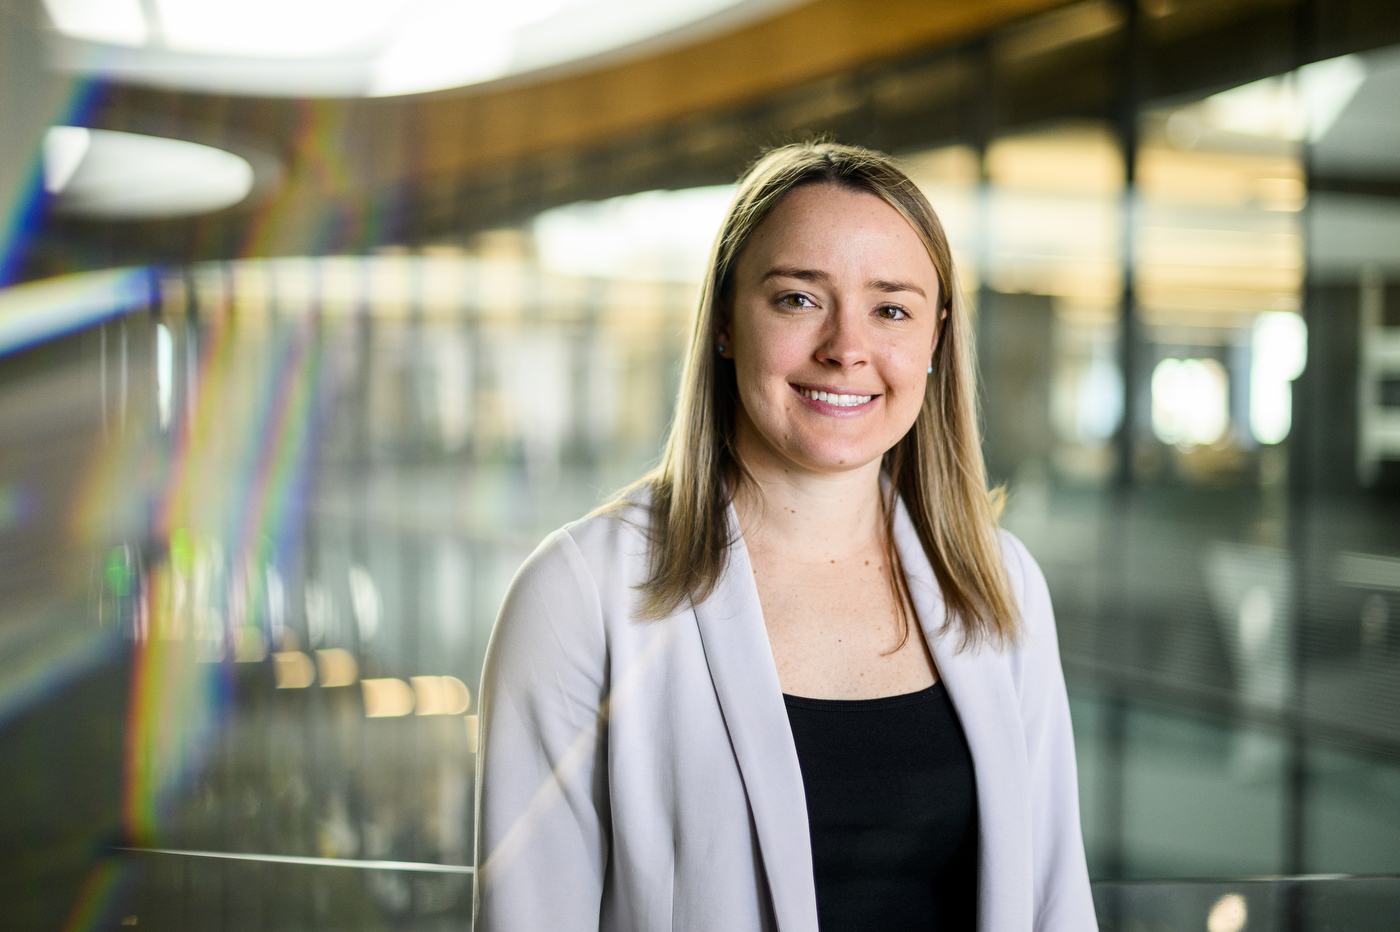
(230, 892)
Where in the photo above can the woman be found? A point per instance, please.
(795, 678)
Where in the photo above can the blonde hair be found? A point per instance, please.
(936, 468)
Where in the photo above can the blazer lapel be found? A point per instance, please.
(980, 687)
(751, 700)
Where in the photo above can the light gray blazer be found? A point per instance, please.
(641, 775)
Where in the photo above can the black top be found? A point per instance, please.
(893, 811)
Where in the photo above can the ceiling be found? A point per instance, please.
(374, 48)
(347, 174)
(339, 173)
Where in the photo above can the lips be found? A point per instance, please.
(835, 400)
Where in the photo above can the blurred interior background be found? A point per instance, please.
(317, 316)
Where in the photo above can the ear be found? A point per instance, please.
(938, 329)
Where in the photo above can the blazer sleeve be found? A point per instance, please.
(1062, 898)
(542, 822)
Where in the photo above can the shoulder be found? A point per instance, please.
(614, 541)
(576, 568)
(1037, 617)
(569, 601)
(1021, 567)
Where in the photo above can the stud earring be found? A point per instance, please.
(930, 370)
(721, 347)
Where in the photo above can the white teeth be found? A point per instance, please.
(840, 401)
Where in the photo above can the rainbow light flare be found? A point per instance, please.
(241, 476)
(28, 205)
(226, 492)
(96, 904)
(38, 311)
(322, 208)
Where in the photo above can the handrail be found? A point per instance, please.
(1218, 702)
(420, 866)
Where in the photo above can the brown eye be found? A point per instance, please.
(891, 312)
(795, 301)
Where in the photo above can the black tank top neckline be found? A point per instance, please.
(859, 705)
(892, 810)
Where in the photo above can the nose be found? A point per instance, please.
(844, 341)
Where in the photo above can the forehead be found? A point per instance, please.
(837, 227)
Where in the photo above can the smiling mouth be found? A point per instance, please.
(838, 400)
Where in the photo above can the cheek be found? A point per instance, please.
(771, 352)
(904, 369)
(906, 379)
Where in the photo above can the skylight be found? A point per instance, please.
(363, 47)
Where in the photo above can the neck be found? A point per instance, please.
(807, 515)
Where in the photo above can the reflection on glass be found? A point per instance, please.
(310, 481)
(1189, 401)
(1228, 914)
(1278, 353)
(1038, 244)
(1220, 262)
(950, 178)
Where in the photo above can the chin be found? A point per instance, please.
(832, 457)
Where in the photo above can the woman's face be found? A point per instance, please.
(835, 318)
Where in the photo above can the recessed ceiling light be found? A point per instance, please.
(119, 22)
(101, 173)
(64, 150)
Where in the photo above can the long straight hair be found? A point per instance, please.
(936, 468)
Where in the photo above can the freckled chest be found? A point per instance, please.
(833, 624)
(842, 604)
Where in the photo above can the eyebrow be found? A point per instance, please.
(817, 275)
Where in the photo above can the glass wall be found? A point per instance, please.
(303, 488)
(1221, 566)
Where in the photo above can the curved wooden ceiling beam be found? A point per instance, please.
(463, 131)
